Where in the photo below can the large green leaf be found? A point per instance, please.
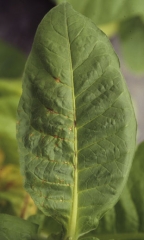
(102, 11)
(132, 43)
(14, 228)
(76, 125)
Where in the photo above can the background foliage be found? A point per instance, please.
(126, 19)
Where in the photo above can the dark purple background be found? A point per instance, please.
(19, 20)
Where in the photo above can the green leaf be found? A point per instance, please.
(14, 228)
(110, 29)
(46, 224)
(76, 124)
(39, 238)
(123, 218)
(90, 238)
(9, 96)
(136, 184)
(12, 193)
(101, 11)
(55, 237)
(128, 214)
(132, 43)
(12, 61)
(127, 236)
(50, 226)
(127, 219)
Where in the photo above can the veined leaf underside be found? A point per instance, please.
(76, 129)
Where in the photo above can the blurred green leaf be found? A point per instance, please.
(9, 96)
(13, 198)
(132, 43)
(142, 18)
(90, 238)
(109, 29)
(12, 61)
(136, 184)
(14, 228)
(128, 214)
(126, 236)
(51, 226)
(46, 224)
(39, 238)
(127, 219)
(38, 219)
(102, 11)
(55, 237)
(123, 218)
(12, 193)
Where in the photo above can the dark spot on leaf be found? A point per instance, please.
(51, 111)
(57, 79)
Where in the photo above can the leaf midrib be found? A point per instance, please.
(71, 233)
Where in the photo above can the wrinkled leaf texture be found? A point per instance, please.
(76, 125)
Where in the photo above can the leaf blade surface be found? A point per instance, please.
(76, 127)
